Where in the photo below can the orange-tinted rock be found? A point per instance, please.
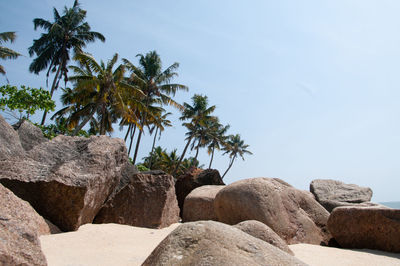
(147, 200)
(192, 179)
(199, 204)
(366, 227)
(293, 214)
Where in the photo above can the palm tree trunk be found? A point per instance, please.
(127, 133)
(103, 120)
(182, 156)
(197, 150)
(212, 157)
(84, 122)
(152, 148)
(53, 88)
(137, 145)
(132, 135)
(229, 167)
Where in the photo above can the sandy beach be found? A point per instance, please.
(114, 244)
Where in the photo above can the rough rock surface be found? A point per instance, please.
(29, 135)
(213, 243)
(192, 179)
(20, 227)
(369, 227)
(199, 204)
(67, 179)
(147, 200)
(263, 232)
(293, 214)
(10, 146)
(332, 193)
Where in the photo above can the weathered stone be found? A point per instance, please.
(199, 204)
(10, 146)
(67, 179)
(29, 135)
(332, 193)
(369, 227)
(147, 200)
(213, 243)
(20, 227)
(192, 179)
(291, 213)
(263, 232)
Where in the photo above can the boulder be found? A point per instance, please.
(20, 228)
(10, 146)
(263, 232)
(291, 213)
(332, 193)
(29, 134)
(214, 243)
(147, 200)
(192, 179)
(67, 179)
(199, 204)
(369, 227)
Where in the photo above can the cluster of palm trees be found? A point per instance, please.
(134, 96)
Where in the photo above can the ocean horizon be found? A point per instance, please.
(391, 204)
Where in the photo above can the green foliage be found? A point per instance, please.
(140, 167)
(60, 128)
(26, 100)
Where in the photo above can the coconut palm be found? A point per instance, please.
(7, 53)
(67, 31)
(159, 123)
(235, 146)
(199, 114)
(155, 84)
(100, 90)
(216, 138)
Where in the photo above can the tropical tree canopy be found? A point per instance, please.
(67, 31)
(235, 147)
(7, 53)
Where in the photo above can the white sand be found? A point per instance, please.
(317, 255)
(102, 244)
(114, 244)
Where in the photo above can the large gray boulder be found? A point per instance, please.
(10, 146)
(199, 204)
(214, 243)
(293, 214)
(29, 135)
(366, 227)
(332, 193)
(146, 200)
(67, 179)
(20, 228)
(263, 232)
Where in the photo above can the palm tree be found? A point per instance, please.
(68, 31)
(235, 146)
(155, 84)
(216, 138)
(100, 90)
(7, 53)
(159, 123)
(198, 113)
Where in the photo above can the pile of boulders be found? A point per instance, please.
(50, 186)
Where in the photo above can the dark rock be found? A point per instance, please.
(199, 204)
(20, 228)
(213, 243)
(263, 232)
(67, 179)
(192, 179)
(147, 200)
(369, 227)
(291, 213)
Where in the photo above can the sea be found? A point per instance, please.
(392, 204)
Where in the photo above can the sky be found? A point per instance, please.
(311, 86)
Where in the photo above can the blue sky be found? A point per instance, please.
(311, 86)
